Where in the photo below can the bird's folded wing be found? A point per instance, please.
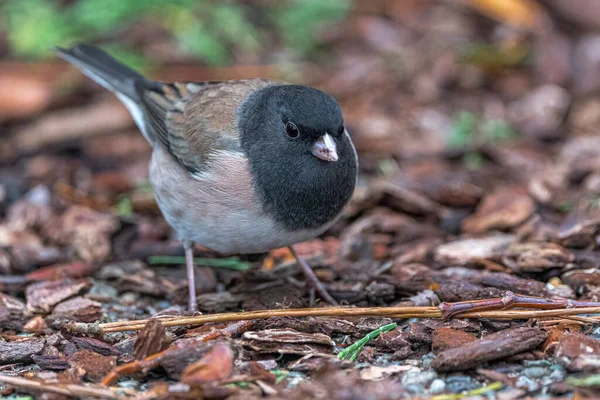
(193, 120)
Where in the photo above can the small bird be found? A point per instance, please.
(241, 166)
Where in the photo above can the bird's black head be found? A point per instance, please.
(302, 160)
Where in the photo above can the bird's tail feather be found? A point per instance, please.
(103, 68)
(124, 82)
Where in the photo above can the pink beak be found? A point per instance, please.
(325, 148)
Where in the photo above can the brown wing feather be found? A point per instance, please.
(193, 120)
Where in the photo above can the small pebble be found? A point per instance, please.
(415, 388)
(129, 384)
(129, 298)
(426, 360)
(437, 386)
(102, 292)
(535, 372)
(557, 374)
(417, 376)
(294, 379)
(537, 363)
(527, 383)
(460, 383)
(163, 304)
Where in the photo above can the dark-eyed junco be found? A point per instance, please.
(240, 167)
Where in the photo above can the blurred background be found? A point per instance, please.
(476, 123)
(447, 99)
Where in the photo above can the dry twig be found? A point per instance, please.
(78, 391)
(392, 312)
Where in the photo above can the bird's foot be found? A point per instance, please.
(311, 279)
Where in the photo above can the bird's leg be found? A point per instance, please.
(311, 278)
(311, 296)
(189, 266)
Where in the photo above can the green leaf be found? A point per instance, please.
(280, 374)
(125, 207)
(298, 20)
(104, 15)
(35, 26)
(496, 130)
(202, 43)
(566, 206)
(462, 133)
(230, 21)
(473, 160)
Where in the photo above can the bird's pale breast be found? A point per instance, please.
(218, 208)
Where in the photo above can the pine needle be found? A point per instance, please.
(351, 352)
(232, 262)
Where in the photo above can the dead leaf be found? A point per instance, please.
(524, 14)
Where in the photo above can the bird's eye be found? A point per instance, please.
(341, 130)
(292, 130)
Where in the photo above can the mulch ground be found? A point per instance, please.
(480, 178)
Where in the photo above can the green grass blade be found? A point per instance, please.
(351, 352)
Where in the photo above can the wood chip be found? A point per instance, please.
(466, 251)
(43, 296)
(537, 257)
(95, 345)
(95, 365)
(22, 351)
(578, 352)
(12, 312)
(505, 208)
(493, 347)
(288, 336)
(151, 340)
(448, 338)
(78, 309)
(216, 365)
